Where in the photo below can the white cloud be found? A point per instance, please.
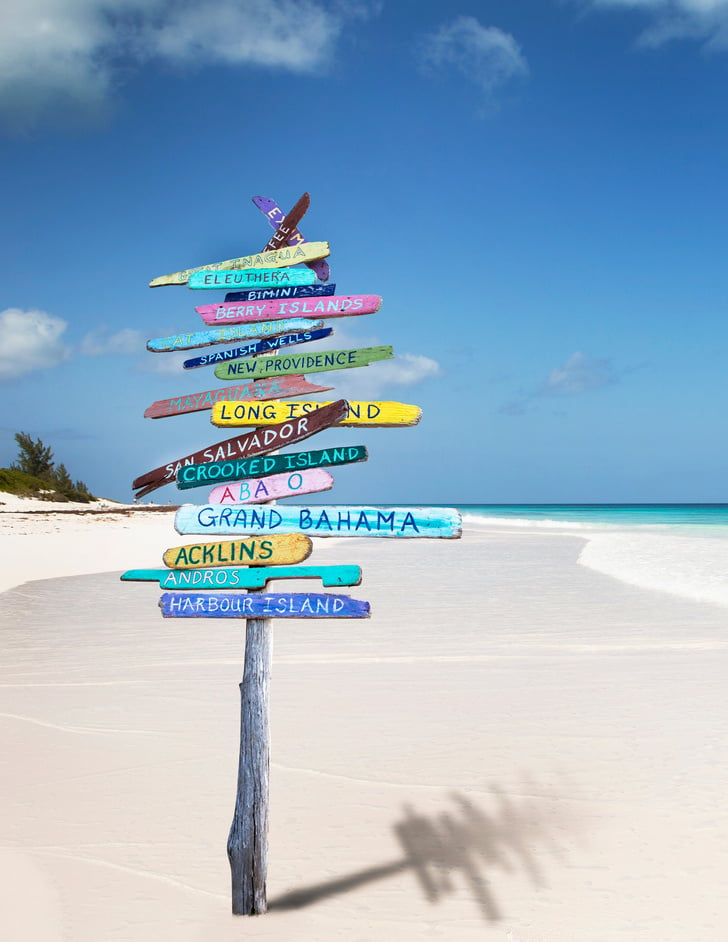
(101, 342)
(29, 340)
(577, 375)
(67, 54)
(485, 55)
(704, 20)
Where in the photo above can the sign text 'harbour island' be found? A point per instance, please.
(433, 522)
(282, 549)
(247, 577)
(216, 472)
(256, 347)
(280, 605)
(361, 414)
(277, 387)
(343, 305)
(283, 364)
(190, 340)
(277, 258)
(250, 278)
(259, 442)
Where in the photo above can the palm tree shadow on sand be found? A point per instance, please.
(462, 841)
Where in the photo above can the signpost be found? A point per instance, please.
(231, 414)
(256, 347)
(275, 388)
(270, 305)
(246, 312)
(302, 363)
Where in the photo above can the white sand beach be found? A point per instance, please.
(515, 747)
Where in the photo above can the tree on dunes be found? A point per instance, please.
(36, 459)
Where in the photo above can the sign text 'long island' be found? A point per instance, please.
(278, 258)
(361, 414)
(433, 522)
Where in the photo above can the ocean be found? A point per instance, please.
(681, 549)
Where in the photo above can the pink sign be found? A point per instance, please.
(237, 312)
(259, 490)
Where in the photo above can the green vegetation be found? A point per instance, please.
(35, 474)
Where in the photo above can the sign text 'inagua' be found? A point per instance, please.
(277, 258)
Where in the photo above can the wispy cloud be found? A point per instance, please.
(484, 55)
(577, 375)
(66, 55)
(705, 21)
(30, 340)
(102, 342)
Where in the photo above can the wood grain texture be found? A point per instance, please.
(218, 471)
(274, 214)
(284, 364)
(248, 577)
(240, 312)
(264, 389)
(247, 331)
(256, 347)
(253, 605)
(259, 442)
(281, 549)
(342, 520)
(272, 487)
(288, 224)
(361, 413)
(277, 258)
(250, 278)
(271, 294)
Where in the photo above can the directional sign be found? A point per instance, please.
(302, 363)
(275, 216)
(249, 577)
(257, 346)
(278, 258)
(273, 487)
(259, 442)
(280, 549)
(253, 605)
(436, 522)
(249, 331)
(361, 414)
(193, 475)
(287, 226)
(270, 294)
(277, 387)
(251, 278)
(342, 305)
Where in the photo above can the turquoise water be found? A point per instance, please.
(611, 514)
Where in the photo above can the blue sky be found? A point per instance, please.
(536, 189)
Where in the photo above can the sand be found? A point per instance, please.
(513, 748)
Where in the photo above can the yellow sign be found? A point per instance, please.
(361, 414)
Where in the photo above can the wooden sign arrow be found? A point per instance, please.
(271, 294)
(249, 331)
(253, 605)
(249, 577)
(274, 214)
(343, 305)
(257, 347)
(361, 414)
(273, 487)
(278, 387)
(280, 549)
(215, 472)
(251, 278)
(288, 224)
(259, 442)
(278, 258)
(406, 522)
(302, 363)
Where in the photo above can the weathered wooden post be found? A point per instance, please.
(274, 306)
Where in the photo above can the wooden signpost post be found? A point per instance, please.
(272, 305)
